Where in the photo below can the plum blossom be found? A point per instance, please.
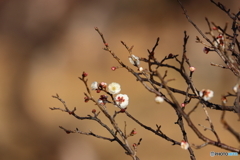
(206, 94)
(114, 88)
(122, 101)
(192, 69)
(134, 60)
(100, 101)
(159, 99)
(94, 85)
(184, 145)
(236, 88)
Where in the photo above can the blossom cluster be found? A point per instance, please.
(121, 100)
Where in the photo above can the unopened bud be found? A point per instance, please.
(84, 74)
(123, 110)
(94, 111)
(206, 50)
(170, 55)
(192, 69)
(140, 69)
(86, 99)
(133, 132)
(214, 28)
(106, 44)
(113, 68)
(103, 84)
(183, 105)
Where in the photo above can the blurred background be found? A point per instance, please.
(46, 45)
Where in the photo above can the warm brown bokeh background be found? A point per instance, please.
(45, 45)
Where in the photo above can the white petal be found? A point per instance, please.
(122, 101)
(94, 85)
(114, 88)
(159, 99)
(133, 58)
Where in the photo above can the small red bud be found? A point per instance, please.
(214, 28)
(206, 50)
(123, 110)
(183, 105)
(219, 36)
(170, 55)
(113, 68)
(86, 99)
(133, 132)
(94, 111)
(84, 74)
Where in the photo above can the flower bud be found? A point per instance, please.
(192, 69)
(84, 74)
(113, 68)
(184, 145)
(206, 50)
(94, 111)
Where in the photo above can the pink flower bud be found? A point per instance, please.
(103, 84)
(133, 132)
(113, 68)
(84, 74)
(183, 105)
(86, 99)
(192, 69)
(214, 28)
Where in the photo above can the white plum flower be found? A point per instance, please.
(184, 145)
(100, 101)
(192, 69)
(114, 88)
(236, 88)
(94, 85)
(122, 101)
(206, 94)
(134, 60)
(159, 99)
(140, 69)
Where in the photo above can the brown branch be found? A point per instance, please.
(211, 124)
(229, 128)
(87, 133)
(157, 132)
